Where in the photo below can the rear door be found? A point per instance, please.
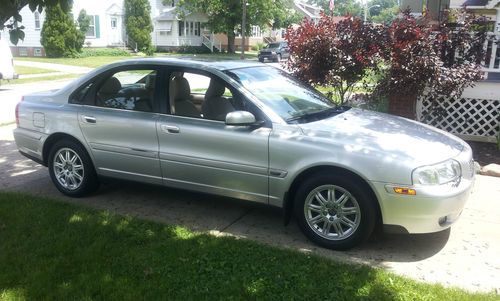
(119, 124)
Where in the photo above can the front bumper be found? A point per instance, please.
(433, 208)
(269, 56)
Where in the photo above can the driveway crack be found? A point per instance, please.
(236, 220)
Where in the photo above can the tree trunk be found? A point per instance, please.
(230, 41)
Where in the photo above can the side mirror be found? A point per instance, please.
(241, 118)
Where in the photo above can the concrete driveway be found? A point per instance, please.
(467, 256)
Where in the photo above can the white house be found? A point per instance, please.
(107, 27)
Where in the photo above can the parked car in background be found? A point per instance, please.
(7, 71)
(274, 52)
(248, 131)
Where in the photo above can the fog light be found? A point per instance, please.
(407, 191)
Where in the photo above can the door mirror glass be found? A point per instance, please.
(240, 118)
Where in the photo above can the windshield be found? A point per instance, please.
(285, 95)
(273, 45)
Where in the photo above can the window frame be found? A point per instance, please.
(89, 99)
(165, 106)
(92, 25)
(38, 20)
(115, 20)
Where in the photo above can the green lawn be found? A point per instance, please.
(50, 250)
(41, 79)
(91, 62)
(24, 70)
(97, 61)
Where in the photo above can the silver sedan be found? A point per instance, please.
(248, 131)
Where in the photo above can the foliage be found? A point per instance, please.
(421, 56)
(91, 52)
(83, 21)
(342, 7)
(193, 49)
(11, 8)
(52, 250)
(225, 16)
(138, 24)
(59, 35)
(386, 16)
(334, 54)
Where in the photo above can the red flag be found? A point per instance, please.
(332, 4)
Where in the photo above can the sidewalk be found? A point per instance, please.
(55, 67)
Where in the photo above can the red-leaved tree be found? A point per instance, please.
(336, 54)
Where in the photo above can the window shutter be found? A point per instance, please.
(97, 28)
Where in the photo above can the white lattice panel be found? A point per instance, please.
(471, 118)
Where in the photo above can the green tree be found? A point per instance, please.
(11, 8)
(225, 16)
(342, 7)
(383, 11)
(138, 23)
(59, 35)
(83, 21)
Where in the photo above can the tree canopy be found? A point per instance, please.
(138, 23)
(59, 35)
(10, 11)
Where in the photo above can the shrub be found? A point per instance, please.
(91, 52)
(442, 59)
(334, 54)
(60, 36)
(138, 24)
(193, 49)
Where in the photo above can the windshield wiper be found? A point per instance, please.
(321, 113)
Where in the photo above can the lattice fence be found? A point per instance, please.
(470, 118)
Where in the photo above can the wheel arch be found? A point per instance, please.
(53, 139)
(290, 194)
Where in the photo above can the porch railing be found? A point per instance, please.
(211, 42)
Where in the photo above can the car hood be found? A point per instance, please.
(367, 131)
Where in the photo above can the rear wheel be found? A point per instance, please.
(71, 169)
(335, 211)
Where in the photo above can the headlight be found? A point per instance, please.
(437, 174)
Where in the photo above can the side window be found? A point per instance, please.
(78, 97)
(201, 96)
(128, 90)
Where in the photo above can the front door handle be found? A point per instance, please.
(170, 129)
(89, 119)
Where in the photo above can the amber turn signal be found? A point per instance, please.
(407, 191)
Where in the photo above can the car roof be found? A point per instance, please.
(191, 62)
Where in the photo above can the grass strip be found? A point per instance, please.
(51, 250)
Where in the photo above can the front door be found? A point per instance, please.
(199, 151)
(120, 126)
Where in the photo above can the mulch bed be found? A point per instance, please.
(485, 153)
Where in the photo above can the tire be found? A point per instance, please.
(261, 60)
(75, 177)
(352, 209)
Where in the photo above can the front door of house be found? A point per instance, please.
(115, 36)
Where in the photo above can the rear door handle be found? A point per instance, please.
(89, 119)
(170, 129)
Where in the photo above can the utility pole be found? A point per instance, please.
(243, 27)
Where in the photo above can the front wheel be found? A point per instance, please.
(71, 169)
(334, 211)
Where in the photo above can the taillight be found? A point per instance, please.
(17, 112)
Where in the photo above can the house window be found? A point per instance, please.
(37, 20)
(23, 51)
(93, 31)
(256, 32)
(181, 28)
(37, 52)
(197, 28)
(114, 21)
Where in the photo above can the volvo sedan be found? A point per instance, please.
(248, 131)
